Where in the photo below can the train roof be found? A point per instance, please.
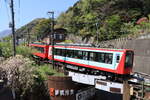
(39, 43)
(74, 44)
(80, 46)
(85, 46)
(91, 48)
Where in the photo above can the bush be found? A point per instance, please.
(17, 73)
(44, 70)
(25, 51)
(26, 78)
(5, 49)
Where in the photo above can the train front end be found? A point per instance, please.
(126, 63)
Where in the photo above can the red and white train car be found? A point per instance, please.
(89, 59)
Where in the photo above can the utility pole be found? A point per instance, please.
(126, 90)
(13, 27)
(28, 37)
(97, 33)
(52, 36)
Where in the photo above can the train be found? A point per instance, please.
(89, 60)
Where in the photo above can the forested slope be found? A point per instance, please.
(104, 19)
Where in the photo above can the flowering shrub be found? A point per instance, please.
(17, 73)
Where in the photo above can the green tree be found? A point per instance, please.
(113, 25)
(111, 16)
(42, 28)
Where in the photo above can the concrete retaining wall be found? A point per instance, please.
(142, 64)
(142, 54)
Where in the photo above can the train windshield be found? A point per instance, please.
(129, 59)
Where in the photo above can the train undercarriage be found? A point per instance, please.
(89, 71)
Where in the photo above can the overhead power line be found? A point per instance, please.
(7, 10)
(19, 11)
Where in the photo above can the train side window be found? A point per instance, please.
(102, 57)
(71, 53)
(55, 52)
(85, 55)
(108, 58)
(92, 56)
(58, 52)
(63, 52)
(105, 58)
(67, 53)
(80, 55)
(118, 58)
(75, 54)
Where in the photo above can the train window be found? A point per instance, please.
(85, 55)
(67, 53)
(63, 52)
(129, 59)
(75, 54)
(108, 58)
(118, 58)
(80, 55)
(70, 53)
(104, 58)
(101, 57)
(57, 52)
(92, 56)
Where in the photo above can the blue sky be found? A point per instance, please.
(31, 9)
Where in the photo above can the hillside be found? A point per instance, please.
(5, 33)
(104, 19)
(37, 29)
(28, 28)
(100, 19)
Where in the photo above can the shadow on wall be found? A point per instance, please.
(102, 95)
